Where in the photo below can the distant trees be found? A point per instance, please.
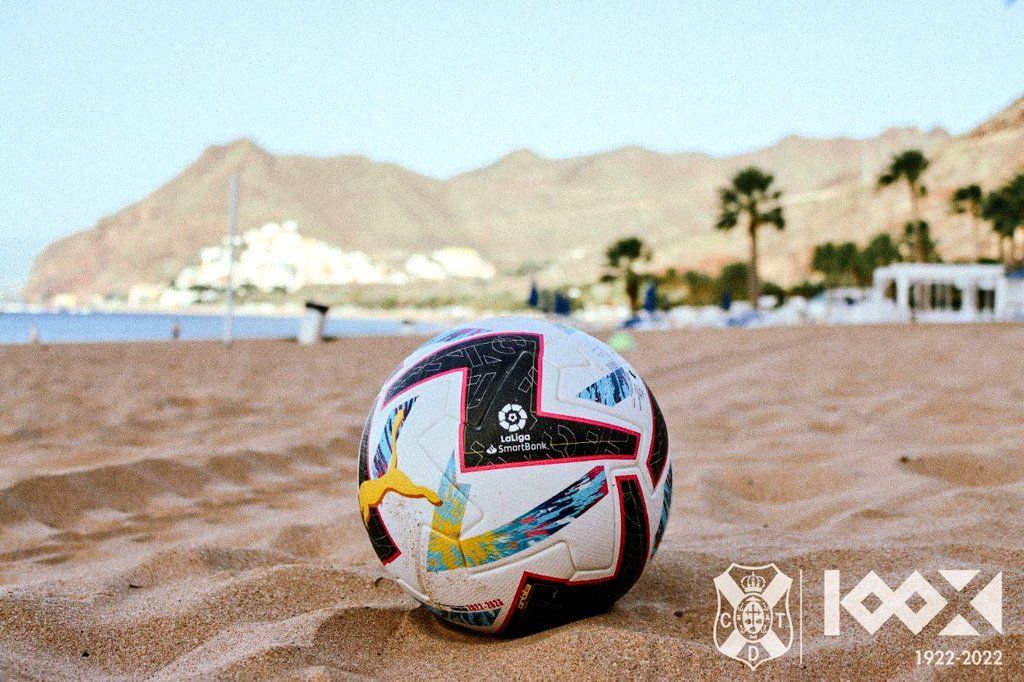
(908, 167)
(694, 287)
(750, 199)
(1004, 208)
(622, 258)
(751, 202)
(691, 287)
(880, 251)
(968, 200)
(734, 278)
(847, 264)
(836, 263)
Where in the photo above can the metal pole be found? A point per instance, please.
(229, 297)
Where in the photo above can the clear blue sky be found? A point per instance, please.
(101, 102)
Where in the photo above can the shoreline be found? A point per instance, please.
(257, 310)
(18, 328)
(426, 328)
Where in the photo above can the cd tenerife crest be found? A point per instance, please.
(753, 623)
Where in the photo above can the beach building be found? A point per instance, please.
(948, 292)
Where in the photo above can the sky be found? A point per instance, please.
(101, 103)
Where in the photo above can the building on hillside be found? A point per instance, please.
(463, 262)
(421, 267)
(275, 256)
(451, 261)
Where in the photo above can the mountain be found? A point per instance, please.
(527, 212)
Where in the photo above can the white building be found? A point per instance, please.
(464, 262)
(451, 261)
(420, 267)
(948, 292)
(275, 256)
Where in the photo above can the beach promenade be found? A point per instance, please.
(183, 509)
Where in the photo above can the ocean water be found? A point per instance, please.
(64, 327)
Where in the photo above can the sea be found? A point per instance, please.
(90, 326)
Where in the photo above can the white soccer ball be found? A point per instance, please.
(514, 474)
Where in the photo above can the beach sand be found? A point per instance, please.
(185, 510)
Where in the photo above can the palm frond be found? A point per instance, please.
(774, 217)
(727, 221)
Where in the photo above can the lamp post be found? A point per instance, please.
(229, 292)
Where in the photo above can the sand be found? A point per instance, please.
(181, 510)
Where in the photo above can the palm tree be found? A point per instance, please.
(917, 237)
(623, 257)
(826, 262)
(1004, 208)
(909, 166)
(995, 210)
(836, 262)
(848, 265)
(1015, 188)
(880, 251)
(969, 199)
(750, 195)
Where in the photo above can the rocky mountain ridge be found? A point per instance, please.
(528, 213)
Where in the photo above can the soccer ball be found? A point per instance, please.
(514, 475)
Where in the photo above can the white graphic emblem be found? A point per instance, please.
(753, 623)
(988, 602)
(512, 417)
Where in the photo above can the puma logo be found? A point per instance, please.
(393, 480)
(372, 492)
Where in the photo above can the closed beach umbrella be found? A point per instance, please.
(534, 297)
(562, 305)
(651, 297)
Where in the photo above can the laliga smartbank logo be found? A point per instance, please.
(513, 418)
(753, 624)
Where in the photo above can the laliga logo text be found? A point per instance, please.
(753, 623)
(988, 602)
